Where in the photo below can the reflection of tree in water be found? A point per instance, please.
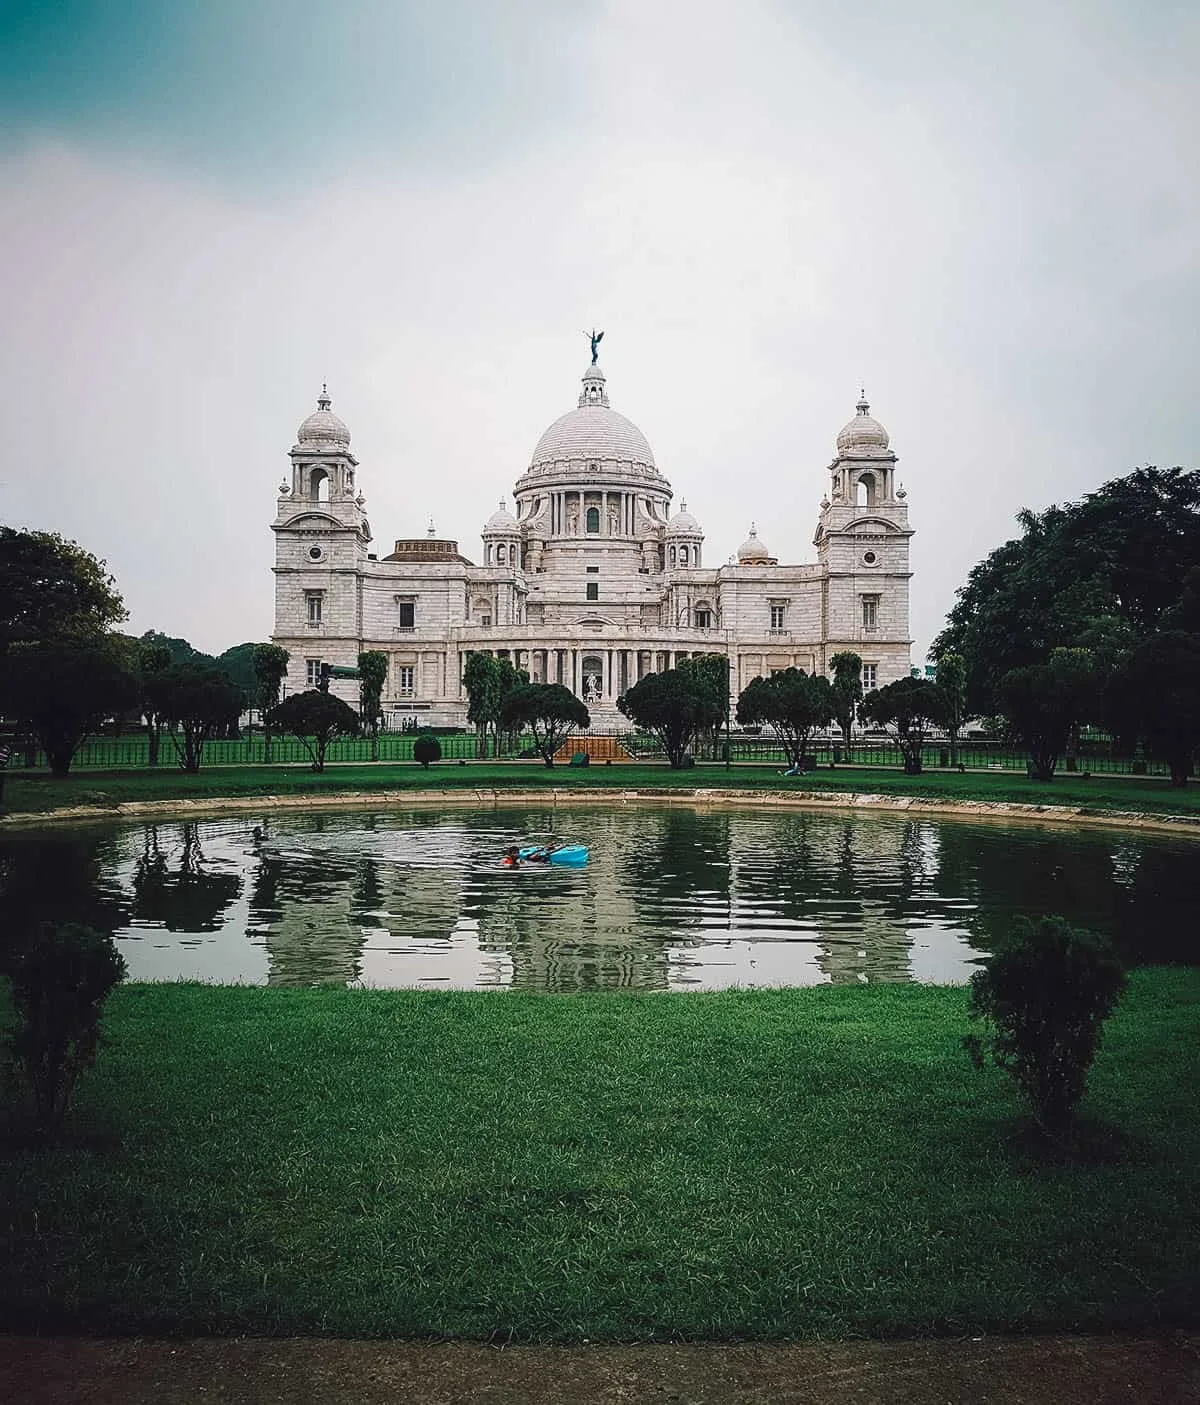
(1136, 892)
(59, 876)
(182, 893)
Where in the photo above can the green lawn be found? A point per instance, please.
(38, 792)
(794, 1163)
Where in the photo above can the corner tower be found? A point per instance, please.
(862, 544)
(321, 539)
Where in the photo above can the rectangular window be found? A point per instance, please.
(405, 674)
(593, 590)
(868, 677)
(312, 672)
(777, 616)
(407, 614)
(870, 611)
(593, 570)
(485, 620)
(314, 599)
(703, 619)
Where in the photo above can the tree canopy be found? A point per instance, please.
(316, 719)
(908, 708)
(199, 701)
(793, 704)
(1120, 554)
(550, 711)
(675, 706)
(847, 690)
(488, 681)
(62, 689)
(50, 587)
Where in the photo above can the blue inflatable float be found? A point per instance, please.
(572, 855)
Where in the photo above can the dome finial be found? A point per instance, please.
(862, 407)
(432, 532)
(323, 400)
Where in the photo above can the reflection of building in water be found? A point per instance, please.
(300, 904)
(583, 932)
(851, 884)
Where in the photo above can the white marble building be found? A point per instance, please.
(591, 581)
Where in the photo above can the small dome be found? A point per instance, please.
(502, 520)
(863, 437)
(752, 549)
(683, 523)
(323, 427)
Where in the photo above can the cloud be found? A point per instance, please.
(986, 220)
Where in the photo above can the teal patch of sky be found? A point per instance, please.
(266, 90)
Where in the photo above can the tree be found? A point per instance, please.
(237, 664)
(200, 702)
(481, 679)
(710, 674)
(1048, 993)
(427, 749)
(270, 669)
(60, 690)
(316, 719)
(1160, 688)
(1122, 551)
(153, 658)
(372, 675)
(847, 691)
(50, 587)
(674, 706)
(793, 704)
(1044, 702)
(59, 978)
(550, 711)
(952, 680)
(908, 708)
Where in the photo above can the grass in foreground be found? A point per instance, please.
(765, 1164)
(36, 794)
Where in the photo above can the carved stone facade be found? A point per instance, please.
(591, 581)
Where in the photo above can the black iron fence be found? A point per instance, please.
(1096, 755)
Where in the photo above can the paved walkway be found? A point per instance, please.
(1162, 1370)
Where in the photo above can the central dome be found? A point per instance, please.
(593, 431)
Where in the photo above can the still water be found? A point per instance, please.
(673, 899)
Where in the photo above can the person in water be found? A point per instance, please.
(512, 859)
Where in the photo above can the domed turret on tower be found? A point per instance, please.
(502, 538)
(684, 538)
(323, 429)
(863, 437)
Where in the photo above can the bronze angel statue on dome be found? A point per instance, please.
(595, 338)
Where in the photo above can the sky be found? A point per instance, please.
(984, 214)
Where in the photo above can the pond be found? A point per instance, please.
(673, 898)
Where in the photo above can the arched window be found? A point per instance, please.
(593, 519)
(683, 555)
(864, 491)
(673, 561)
(501, 554)
(318, 485)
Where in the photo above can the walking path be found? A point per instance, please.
(1158, 1370)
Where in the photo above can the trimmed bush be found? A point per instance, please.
(60, 977)
(1047, 993)
(427, 749)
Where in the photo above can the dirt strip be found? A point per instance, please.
(486, 797)
(1160, 1370)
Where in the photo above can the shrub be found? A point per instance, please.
(1048, 993)
(427, 748)
(60, 977)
